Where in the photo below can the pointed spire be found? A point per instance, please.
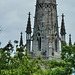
(63, 31)
(70, 43)
(28, 29)
(21, 40)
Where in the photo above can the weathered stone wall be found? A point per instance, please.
(46, 28)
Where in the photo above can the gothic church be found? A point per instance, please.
(45, 37)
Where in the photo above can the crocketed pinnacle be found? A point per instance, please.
(21, 40)
(28, 29)
(62, 31)
(70, 43)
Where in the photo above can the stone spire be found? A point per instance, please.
(28, 34)
(28, 29)
(70, 43)
(44, 41)
(63, 30)
(21, 40)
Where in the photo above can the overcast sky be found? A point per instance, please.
(14, 14)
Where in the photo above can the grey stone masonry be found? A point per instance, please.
(45, 41)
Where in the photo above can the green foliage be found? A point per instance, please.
(68, 54)
(5, 56)
(58, 71)
(22, 64)
(63, 43)
(15, 41)
(58, 67)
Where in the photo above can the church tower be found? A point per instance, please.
(28, 34)
(45, 34)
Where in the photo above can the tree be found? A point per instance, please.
(16, 42)
(22, 64)
(68, 54)
(5, 56)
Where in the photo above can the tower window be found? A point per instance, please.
(53, 52)
(56, 45)
(38, 34)
(39, 43)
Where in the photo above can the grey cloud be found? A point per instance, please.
(14, 13)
